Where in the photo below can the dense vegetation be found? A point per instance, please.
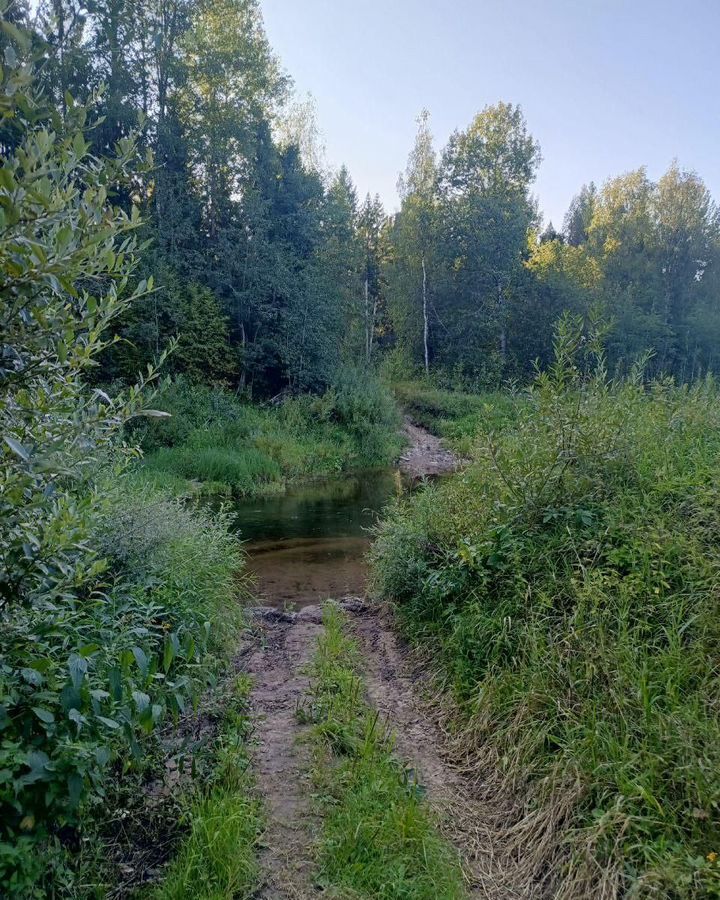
(475, 286)
(273, 275)
(566, 584)
(222, 444)
(114, 602)
(165, 210)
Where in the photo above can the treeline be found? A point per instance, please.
(476, 287)
(274, 275)
(259, 256)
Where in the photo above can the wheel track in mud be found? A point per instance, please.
(285, 643)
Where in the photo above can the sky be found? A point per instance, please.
(606, 86)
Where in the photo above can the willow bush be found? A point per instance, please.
(107, 600)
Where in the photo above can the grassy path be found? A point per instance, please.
(361, 799)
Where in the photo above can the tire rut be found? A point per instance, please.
(285, 643)
(394, 688)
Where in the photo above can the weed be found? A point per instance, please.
(218, 859)
(567, 584)
(214, 440)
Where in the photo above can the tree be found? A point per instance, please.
(579, 216)
(414, 234)
(486, 210)
(687, 237)
(371, 222)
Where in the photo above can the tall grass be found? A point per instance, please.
(567, 584)
(218, 859)
(377, 838)
(214, 439)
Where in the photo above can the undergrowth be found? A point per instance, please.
(86, 686)
(566, 583)
(377, 836)
(214, 442)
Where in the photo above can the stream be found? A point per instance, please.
(310, 542)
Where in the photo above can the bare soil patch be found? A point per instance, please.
(425, 453)
(284, 646)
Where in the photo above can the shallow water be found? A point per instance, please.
(310, 543)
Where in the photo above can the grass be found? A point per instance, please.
(377, 839)
(566, 585)
(455, 416)
(218, 858)
(215, 443)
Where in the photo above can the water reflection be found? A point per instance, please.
(309, 543)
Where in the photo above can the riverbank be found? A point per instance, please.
(212, 442)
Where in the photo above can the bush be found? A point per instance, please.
(213, 437)
(105, 615)
(84, 682)
(567, 583)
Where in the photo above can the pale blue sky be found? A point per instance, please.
(606, 85)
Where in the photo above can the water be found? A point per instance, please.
(310, 543)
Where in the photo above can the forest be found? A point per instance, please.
(198, 311)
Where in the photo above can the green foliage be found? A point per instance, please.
(105, 619)
(218, 859)
(378, 839)
(79, 691)
(566, 582)
(213, 437)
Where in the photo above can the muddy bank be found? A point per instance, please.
(425, 454)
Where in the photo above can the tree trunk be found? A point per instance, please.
(503, 325)
(368, 347)
(425, 319)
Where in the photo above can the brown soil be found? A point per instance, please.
(396, 687)
(425, 454)
(285, 644)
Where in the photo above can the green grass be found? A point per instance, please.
(218, 858)
(377, 837)
(566, 585)
(455, 416)
(215, 443)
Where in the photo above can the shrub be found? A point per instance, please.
(567, 582)
(104, 623)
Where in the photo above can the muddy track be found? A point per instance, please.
(425, 453)
(396, 688)
(284, 644)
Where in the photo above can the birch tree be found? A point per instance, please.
(415, 235)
